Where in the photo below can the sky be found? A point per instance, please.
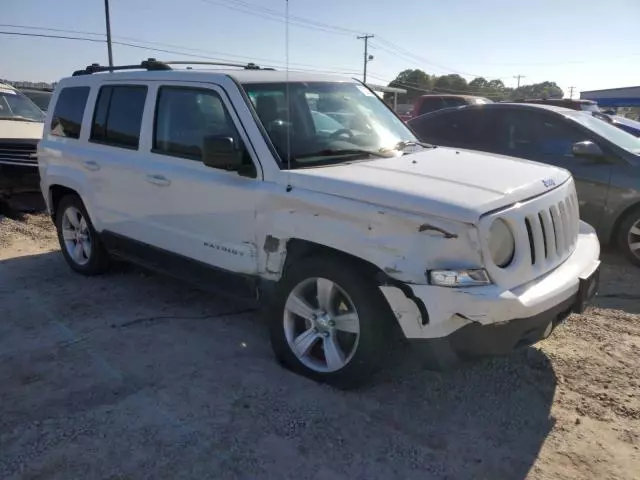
(581, 43)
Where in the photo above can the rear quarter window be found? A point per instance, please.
(68, 112)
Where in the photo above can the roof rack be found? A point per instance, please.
(151, 64)
(246, 66)
(148, 64)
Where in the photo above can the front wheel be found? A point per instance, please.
(328, 322)
(629, 236)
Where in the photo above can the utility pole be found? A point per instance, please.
(367, 57)
(108, 22)
(571, 89)
(518, 77)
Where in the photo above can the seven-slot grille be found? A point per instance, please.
(553, 231)
(14, 153)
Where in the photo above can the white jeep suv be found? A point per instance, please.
(307, 194)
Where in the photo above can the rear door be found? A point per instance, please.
(115, 161)
(548, 138)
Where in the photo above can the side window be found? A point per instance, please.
(68, 112)
(184, 116)
(430, 105)
(453, 102)
(464, 129)
(118, 115)
(531, 134)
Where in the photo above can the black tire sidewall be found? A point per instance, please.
(623, 233)
(98, 260)
(373, 312)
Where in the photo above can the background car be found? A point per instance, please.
(431, 103)
(604, 160)
(41, 97)
(404, 111)
(623, 123)
(20, 131)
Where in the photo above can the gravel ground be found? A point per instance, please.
(133, 375)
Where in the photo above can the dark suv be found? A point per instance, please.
(431, 103)
(604, 160)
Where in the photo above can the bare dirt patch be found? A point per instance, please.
(133, 375)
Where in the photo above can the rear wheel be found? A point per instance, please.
(629, 236)
(79, 241)
(328, 322)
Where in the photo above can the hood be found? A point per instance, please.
(13, 130)
(455, 184)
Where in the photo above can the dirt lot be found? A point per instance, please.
(133, 375)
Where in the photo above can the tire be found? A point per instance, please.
(355, 328)
(79, 241)
(628, 235)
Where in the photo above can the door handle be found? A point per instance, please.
(91, 165)
(159, 180)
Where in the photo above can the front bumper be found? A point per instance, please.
(428, 312)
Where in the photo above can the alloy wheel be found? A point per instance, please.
(76, 236)
(321, 325)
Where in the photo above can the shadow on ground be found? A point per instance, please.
(136, 375)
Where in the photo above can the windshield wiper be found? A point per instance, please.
(329, 152)
(21, 119)
(410, 143)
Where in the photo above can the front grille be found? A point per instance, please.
(553, 231)
(545, 229)
(14, 153)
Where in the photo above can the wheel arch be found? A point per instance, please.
(298, 249)
(56, 193)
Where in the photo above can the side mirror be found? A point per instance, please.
(587, 149)
(221, 152)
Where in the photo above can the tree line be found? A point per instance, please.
(417, 82)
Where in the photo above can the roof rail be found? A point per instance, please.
(246, 66)
(151, 64)
(148, 64)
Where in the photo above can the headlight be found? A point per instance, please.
(502, 244)
(459, 278)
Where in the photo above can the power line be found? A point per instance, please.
(259, 11)
(118, 41)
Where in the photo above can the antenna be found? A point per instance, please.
(286, 95)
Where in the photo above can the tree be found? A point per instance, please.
(479, 85)
(452, 83)
(538, 90)
(415, 82)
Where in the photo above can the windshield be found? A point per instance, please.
(16, 106)
(610, 132)
(328, 122)
(41, 99)
(589, 107)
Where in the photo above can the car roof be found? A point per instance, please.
(554, 100)
(239, 75)
(451, 95)
(500, 106)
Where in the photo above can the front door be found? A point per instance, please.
(548, 138)
(196, 211)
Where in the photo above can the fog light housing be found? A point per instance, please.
(459, 278)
